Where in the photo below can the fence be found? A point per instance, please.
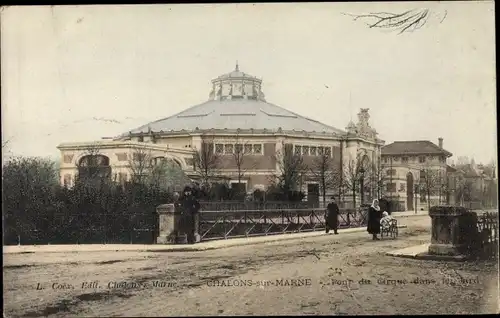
(487, 227)
(247, 223)
(83, 228)
(250, 205)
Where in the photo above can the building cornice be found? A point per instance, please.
(252, 133)
(120, 144)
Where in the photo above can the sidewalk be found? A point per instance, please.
(409, 213)
(203, 246)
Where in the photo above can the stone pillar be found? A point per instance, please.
(168, 227)
(446, 224)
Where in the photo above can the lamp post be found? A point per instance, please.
(416, 191)
(362, 181)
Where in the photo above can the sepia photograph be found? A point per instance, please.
(249, 159)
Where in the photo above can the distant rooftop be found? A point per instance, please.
(414, 147)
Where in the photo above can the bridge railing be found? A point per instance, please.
(247, 223)
(250, 205)
(487, 226)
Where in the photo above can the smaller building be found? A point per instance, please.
(413, 168)
(475, 185)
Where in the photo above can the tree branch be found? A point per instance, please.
(412, 19)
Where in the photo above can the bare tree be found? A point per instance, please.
(206, 161)
(5, 144)
(324, 172)
(91, 167)
(431, 180)
(242, 151)
(290, 169)
(377, 180)
(407, 21)
(463, 189)
(353, 174)
(168, 175)
(140, 165)
(351, 179)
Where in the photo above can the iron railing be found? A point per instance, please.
(250, 205)
(247, 223)
(487, 227)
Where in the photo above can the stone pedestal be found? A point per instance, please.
(173, 228)
(169, 220)
(446, 225)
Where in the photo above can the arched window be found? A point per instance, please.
(94, 167)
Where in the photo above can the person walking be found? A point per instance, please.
(374, 216)
(190, 207)
(332, 216)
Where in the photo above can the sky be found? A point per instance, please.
(80, 73)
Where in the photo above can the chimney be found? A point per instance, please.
(440, 139)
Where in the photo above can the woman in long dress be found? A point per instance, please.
(374, 216)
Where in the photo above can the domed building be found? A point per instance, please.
(243, 133)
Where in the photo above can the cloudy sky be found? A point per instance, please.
(79, 73)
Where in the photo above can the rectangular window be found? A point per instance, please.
(391, 172)
(402, 187)
(385, 159)
(248, 149)
(312, 151)
(298, 150)
(422, 174)
(421, 159)
(238, 148)
(219, 148)
(189, 162)
(67, 180)
(257, 149)
(328, 151)
(239, 187)
(395, 159)
(404, 159)
(442, 159)
(68, 158)
(305, 150)
(320, 151)
(391, 187)
(121, 156)
(228, 149)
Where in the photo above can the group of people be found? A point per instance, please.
(376, 218)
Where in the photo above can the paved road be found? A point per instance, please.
(319, 275)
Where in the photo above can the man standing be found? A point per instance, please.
(190, 207)
(332, 216)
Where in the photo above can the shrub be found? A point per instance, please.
(38, 210)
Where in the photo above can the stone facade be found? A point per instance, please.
(404, 166)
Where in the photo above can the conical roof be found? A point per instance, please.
(237, 102)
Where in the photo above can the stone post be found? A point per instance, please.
(446, 225)
(169, 219)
